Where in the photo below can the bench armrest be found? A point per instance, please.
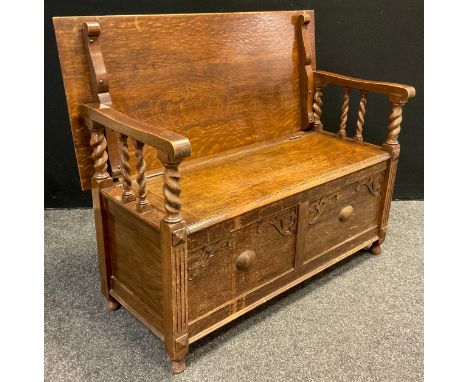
(174, 145)
(172, 149)
(323, 78)
(398, 95)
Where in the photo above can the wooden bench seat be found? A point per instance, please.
(242, 180)
(215, 185)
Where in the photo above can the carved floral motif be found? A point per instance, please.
(284, 223)
(199, 261)
(372, 184)
(317, 207)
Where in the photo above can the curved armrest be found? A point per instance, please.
(323, 78)
(174, 145)
(172, 149)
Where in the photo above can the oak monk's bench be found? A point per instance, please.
(229, 190)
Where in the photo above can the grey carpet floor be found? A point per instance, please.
(361, 320)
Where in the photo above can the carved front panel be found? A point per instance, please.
(222, 267)
(272, 240)
(209, 284)
(335, 218)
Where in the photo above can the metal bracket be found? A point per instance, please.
(100, 87)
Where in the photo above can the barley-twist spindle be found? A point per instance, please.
(395, 118)
(142, 204)
(344, 114)
(99, 145)
(127, 195)
(361, 116)
(171, 191)
(317, 107)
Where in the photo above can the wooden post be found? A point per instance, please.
(142, 205)
(307, 82)
(101, 179)
(344, 114)
(361, 115)
(318, 103)
(99, 82)
(171, 191)
(392, 146)
(127, 194)
(174, 266)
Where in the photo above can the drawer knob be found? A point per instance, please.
(346, 213)
(245, 260)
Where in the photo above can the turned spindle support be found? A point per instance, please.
(171, 190)
(344, 113)
(127, 194)
(361, 116)
(392, 146)
(317, 107)
(174, 265)
(395, 119)
(99, 145)
(142, 203)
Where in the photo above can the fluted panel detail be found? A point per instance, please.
(181, 289)
(171, 191)
(395, 119)
(361, 116)
(143, 204)
(317, 108)
(344, 114)
(127, 195)
(99, 145)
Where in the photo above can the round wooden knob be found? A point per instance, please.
(245, 260)
(346, 213)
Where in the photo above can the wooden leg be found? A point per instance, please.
(375, 248)
(177, 366)
(100, 220)
(174, 265)
(111, 304)
(388, 183)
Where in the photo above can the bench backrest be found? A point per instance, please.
(222, 80)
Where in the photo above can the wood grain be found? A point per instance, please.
(174, 145)
(175, 292)
(240, 182)
(260, 205)
(307, 65)
(346, 213)
(135, 251)
(323, 78)
(102, 238)
(128, 195)
(344, 113)
(99, 83)
(361, 117)
(236, 308)
(198, 75)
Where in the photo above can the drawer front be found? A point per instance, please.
(337, 217)
(270, 244)
(222, 269)
(209, 282)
